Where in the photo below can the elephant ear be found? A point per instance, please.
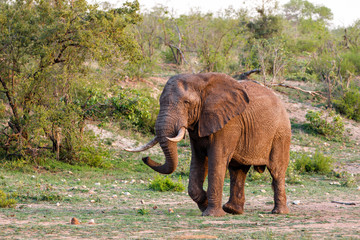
(222, 103)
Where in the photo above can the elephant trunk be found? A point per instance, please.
(167, 128)
(170, 151)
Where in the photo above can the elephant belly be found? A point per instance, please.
(255, 153)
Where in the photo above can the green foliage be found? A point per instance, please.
(330, 125)
(349, 104)
(164, 184)
(46, 47)
(316, 163)
(6, 201)
(137, 107)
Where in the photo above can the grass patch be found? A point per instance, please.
(164, 184)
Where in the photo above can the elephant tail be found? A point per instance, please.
(260, 169)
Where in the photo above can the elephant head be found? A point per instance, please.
(197, 102)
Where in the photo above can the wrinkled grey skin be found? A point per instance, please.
(232, 125)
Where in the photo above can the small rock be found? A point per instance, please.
(142, 202)
(69, 195)
(335, 183)
(296, 202)
(83, 186)
(178, 216)
(126, 193)
(260, 215)
(74, 221)
(155, 207)
(97, 184)
(133, 181)
(358, 188)
(114, 196)
(170, 210)
(92, 221)
(92, 200)
(263, 190)
(70, 172)
(142, 181)
(33, 176)
(91, 192)
(57, 204)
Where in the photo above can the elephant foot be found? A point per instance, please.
(214, 212)
(233, 208)
(280, 210)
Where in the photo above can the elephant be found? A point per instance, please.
(231, 125)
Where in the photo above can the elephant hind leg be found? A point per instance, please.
(235, 205)
(279, 160)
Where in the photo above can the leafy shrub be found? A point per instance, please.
(137, 107)
(164, 184)
(318, 163)
(349, 104)
(292, 175)
(6, 201)
(331, 126)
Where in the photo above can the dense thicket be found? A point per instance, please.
(62, 62)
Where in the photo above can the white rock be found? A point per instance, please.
(133, 181)
(92, 221)
(97, 184)
(263, 190)
(114, 196)
(57, 204)
(296, 202)
(33, 176)
(127, 193)
(260, 215)
(335, 183)
(92, 200)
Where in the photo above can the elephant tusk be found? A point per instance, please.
(180, 135)
(150, 144)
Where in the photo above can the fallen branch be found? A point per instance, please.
(345, 203)
(312, 93)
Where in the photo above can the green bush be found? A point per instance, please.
(349, 104)
(164, 184)
(331, 126)
(318, 163)
(6, 201)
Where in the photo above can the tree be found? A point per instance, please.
(44, 48)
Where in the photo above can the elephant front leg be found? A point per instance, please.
(216, 175)
(198, 172)
(235, 205)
